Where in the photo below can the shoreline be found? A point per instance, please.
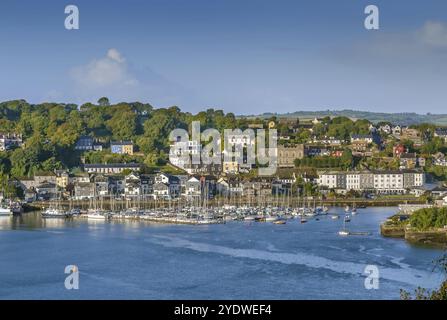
(430, 238)
(83, 204)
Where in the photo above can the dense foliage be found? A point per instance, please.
(429, 218)
(50, 132)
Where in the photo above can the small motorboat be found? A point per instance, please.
(279, 221)
(55, 213)
(271, 218)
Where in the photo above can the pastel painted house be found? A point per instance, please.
(121, 147)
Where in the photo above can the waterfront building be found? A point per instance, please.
(328, 179)
(84, 190)
(392, 182)
(167, 186)
(121, 147)
(193, 188)
(117, 184)
(181, 153)
(235, 187)
(46, 191)
(43, 177)
(366, 181)
(30, 195)
(238, 147)
(353, 181)
(62, 178)
(222, 186)
(147, 185)
(102, 184)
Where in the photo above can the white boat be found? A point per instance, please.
(354, 211)
(96, 216)
(54, 213)
(249, 218)
(347, 209)
(343, 232)
(334, 217)
(270, 218)
(5, 211)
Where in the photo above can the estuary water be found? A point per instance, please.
(236, 260)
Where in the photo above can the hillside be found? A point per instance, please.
(396, 118)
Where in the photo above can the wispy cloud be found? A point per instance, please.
(115, 77)
(109, 71)
(433, 33)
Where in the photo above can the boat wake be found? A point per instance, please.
(404, 274)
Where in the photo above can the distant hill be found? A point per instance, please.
(375, 117)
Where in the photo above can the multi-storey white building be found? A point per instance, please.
(181, 152)
(389, 182)
(328, 179)
(353, 181)
(378, 181)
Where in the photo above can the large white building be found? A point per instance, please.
(328, 179)
(392, 182)
(181, 152)
(353, 181)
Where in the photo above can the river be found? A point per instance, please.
(236, 260)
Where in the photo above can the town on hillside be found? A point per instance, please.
(54, 151)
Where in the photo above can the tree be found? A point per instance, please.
(123, 123)
(104, 102)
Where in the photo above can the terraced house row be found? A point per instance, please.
(384, 182)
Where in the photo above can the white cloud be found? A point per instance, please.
(433, 33)
(112, 76)
(111, 70)
(115, 55)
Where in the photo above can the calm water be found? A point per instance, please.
(238, 260)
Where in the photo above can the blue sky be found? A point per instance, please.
(243, 56)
